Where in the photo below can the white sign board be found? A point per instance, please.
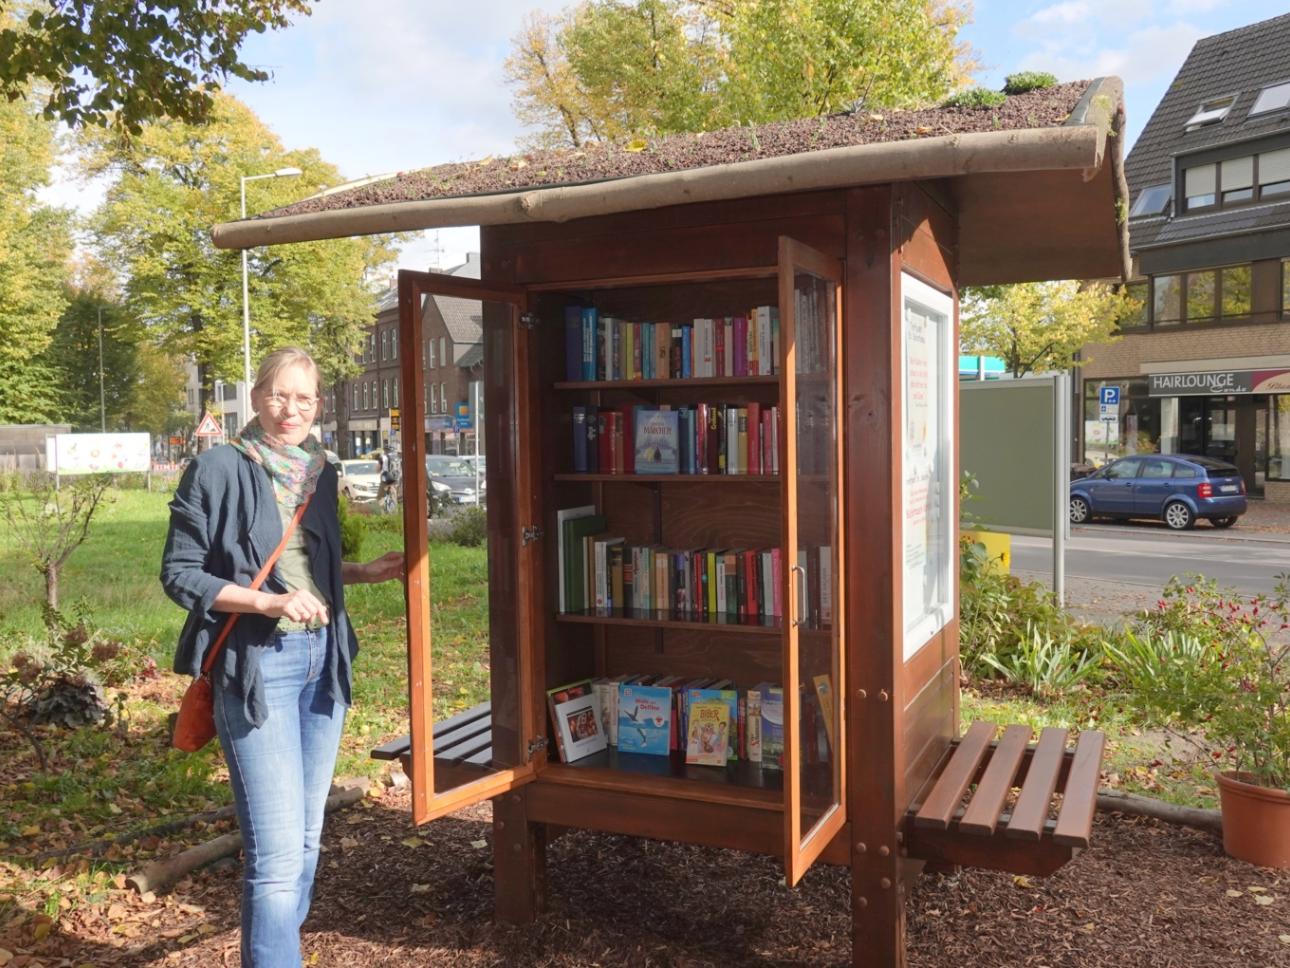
(1108, 411)
(927, 528)
(98, 453)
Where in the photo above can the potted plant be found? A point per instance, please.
(1216, 664)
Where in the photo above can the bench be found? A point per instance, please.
(969, 815)
(463, 746)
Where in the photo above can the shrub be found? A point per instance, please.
(353, 529)
(1026, 81)
(1047, 663)
(977, 97)
(470, 527)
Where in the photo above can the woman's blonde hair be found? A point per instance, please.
(282, 359)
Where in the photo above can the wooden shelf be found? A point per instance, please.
(666, 620)
(698, 381)
(742, 781)
(674, 478)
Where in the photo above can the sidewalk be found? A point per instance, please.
(1265, 518)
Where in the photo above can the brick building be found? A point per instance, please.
(1205, 367)
(359, 417)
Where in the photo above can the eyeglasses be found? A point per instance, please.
(302, 404)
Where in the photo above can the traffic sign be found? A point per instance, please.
(209, 426)
(463, 420)
(1108, 396)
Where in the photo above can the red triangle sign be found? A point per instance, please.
(209, 427)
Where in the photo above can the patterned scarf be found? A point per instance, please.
(293, 470)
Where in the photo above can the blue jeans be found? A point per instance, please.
(281, 774)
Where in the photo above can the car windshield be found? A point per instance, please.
(449, 467)
(361, 467)
(1216, 468)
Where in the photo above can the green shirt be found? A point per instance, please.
(294, 569)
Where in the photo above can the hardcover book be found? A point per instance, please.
(657, 442)
(644, 719)
(579, 727)
(772, 726)
(559, 696)
(728, 697)
(708, 742)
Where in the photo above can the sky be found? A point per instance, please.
(393, 85)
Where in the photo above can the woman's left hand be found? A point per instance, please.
(388, 566)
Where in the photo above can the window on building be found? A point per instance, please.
(1136, 317)
(385, 340)
(1285, 287)
(385, 394)
(431, 342)
(1199, 183)
(376, 394)
(355, 389)
(1166, 300)
(394, 392)
(371, 347)
(1152, 200)
(366, 400)
(1279, 437)
(1272, 98)
(394, 344)
(1236, 180)
(443, 352)
(443, 397)
(1274, 173)
(434, 398)
(1211, 111)
(1234, 284)
(1201, 296)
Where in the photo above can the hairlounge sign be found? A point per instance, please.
(1218, 382)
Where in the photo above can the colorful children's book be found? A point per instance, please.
(644, 719)
(657, 441)
(709, 737)
(752, 715)
(728, 696)
(578, 727)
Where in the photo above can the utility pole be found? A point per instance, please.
(102, 395)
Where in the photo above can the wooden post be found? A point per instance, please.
(519, 860)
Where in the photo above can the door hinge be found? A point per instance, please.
(530, 534)
(530, 320)
(536, 744)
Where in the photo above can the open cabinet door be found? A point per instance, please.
(810, 301)
(476, 685)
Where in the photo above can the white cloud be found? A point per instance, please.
(1147, 55)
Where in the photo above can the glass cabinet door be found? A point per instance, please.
(810, 314)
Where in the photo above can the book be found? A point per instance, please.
(644, 719)
(752, 716)
(574, 531)
(590, 324)
(561, 517)
(558, 696)
(708, 741)
(573, 342)
(772, 726)
(824, 693)
(578, 726)
(657, 442)
(718, 692)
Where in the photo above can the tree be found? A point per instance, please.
(175, 180)
(607, 69)
(1040, 326)
(48, 525)
(73, 353)
(125, 62)
(35, 243)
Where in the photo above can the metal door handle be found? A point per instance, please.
(794, 620)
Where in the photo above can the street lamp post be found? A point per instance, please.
(244, 404)
(102, 395)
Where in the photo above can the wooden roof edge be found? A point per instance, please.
(1079, 143)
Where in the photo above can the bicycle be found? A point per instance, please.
(389, 500)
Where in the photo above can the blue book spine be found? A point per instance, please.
(589, 342)
(687, 344)
(580, 440)
(615, 368)
(573, 342)
(647, 351)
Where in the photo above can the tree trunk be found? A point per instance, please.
(51, 585)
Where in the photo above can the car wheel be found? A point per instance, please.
(1178, 516)
(1081, 513)
(1223, 522)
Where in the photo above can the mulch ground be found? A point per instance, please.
(1147, 894)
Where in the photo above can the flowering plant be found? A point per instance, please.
(1205, 659)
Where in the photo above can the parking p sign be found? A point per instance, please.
(1108, 400)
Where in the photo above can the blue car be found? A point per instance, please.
(1174, 488)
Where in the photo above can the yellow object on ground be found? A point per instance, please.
(998, 548)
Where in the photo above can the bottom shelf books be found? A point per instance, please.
(709, 720)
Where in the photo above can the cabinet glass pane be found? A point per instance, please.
(816, 510)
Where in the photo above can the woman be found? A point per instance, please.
(282, 680)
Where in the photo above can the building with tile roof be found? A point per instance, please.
(1205, 366)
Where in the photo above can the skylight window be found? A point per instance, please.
(1212, 111)
(1152, 200)
(1272, 98)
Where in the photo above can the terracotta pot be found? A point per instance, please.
(1256, 821)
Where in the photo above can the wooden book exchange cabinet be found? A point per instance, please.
(859, 253)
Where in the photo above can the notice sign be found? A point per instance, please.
(926, 525)
(98, 453)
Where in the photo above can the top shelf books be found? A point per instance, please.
(602, 349)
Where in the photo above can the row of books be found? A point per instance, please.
(710, 720)
(601, 347)
(701, 438)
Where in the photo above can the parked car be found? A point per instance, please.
(360, 478)
(1174, 488)
(458, 473)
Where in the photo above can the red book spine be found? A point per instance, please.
(719, 355)
(750, 569)
(741, 346)
(629, 441)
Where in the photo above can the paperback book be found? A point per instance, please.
(644, 719)
(709, 738)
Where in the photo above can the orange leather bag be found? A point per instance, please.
(195, 723)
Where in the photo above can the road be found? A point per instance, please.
(1140, 559)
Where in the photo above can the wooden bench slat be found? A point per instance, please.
(464, 750)
(986, 807)
(448, 732)
(948, 790)
(1031, 809)
(1079, 800)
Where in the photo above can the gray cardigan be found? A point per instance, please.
(224, 525)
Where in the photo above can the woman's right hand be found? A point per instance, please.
(299, 606)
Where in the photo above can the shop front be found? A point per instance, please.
(1240, 416)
